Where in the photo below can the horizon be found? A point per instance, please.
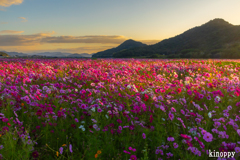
(93, 26)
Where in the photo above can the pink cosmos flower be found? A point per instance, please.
(238, 131)
(119, 120)
(143, 135)
(185, 136)
(120, 128)
(70, 148)
(171, 116)
(175, 145)
(99, 110)
(237, 149)
(203, 132)
(126, 152)
(170, 139)
(61, 150)
(151, 118)
(182, 111)
(169, 154)
(76, 120)
(189, 143)
(5, 119)
(131, 127)
(173, 109)
(192, 114)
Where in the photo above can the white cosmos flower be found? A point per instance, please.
(129, 86)
(106, 116)
(218, 98)
(93, 109)
(81, 127)
(210, 115)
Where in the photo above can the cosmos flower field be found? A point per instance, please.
(118, 109)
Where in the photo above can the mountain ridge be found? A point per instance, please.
(49, 54)
(214, 35)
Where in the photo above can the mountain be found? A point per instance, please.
(124, 46)
(3, 54)
(15, 53)
(52, 54)
(60, 54)
(210, 40)
(49, 54)
(76, 55)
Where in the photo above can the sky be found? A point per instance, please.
(90, 26)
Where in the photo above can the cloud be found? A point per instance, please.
(90, 49)
(2, 9)
(17, 40)
(3, 22)
(10, 32)
(85, 39)
(24, 19)
(22, 40)
(7, 3)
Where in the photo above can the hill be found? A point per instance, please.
(3, 54)
(124, 46)
(75, 55)
(214, 39)
(49, 54)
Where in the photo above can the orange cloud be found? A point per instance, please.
(47, 42)
(7, 3)
(86, 49)
(44, 38)
(24, 19)
(3, 22)
(85, 39)
(10, 32)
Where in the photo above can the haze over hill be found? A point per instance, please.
(50, 54)
(214, 39)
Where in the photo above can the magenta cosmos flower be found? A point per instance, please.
(35, 154)
(208, 137)
(133, 157)
(185, 136)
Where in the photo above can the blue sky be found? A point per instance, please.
(88, 26)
